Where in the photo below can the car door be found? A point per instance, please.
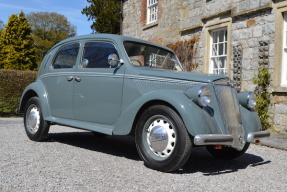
(97, 89)
(59, 81)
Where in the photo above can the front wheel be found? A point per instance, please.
(36, 127)
(226, 152)
(162, 140)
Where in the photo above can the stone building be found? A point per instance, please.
(234, 37)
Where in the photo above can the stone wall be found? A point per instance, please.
(249, 22)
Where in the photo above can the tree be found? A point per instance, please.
(1, 26)
(105, 14)
(18, 50)
(49, 28)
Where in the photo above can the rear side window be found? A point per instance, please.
(66, 57)
(96, 54)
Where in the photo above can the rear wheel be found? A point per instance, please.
(162, 140)
(36, 127)
(226, 152)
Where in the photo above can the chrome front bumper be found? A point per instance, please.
(219, 139)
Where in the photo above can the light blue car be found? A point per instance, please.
(117, 85)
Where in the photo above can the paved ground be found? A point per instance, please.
(75, 160)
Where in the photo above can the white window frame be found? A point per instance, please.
(218, 55)
(284, 53)
(152, 11)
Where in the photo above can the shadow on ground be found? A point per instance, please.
(124, 146)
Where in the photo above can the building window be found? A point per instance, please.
(284, 63)
(218, 52)
(152, 11)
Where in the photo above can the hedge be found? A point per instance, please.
(12, 84)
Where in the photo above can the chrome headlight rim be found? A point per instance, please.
(204, 96)
(251, 100)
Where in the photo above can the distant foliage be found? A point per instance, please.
(12, 84)
(17, 47)
(185, 51)
(49, 28)
(105, 14)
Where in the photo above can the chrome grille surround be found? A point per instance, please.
(228, 104)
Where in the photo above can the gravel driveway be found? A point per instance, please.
(76, 160)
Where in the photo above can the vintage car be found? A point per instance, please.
(117, 85)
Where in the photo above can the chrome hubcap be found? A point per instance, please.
(33, 118)
(161, 137)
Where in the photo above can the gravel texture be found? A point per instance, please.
(76, 160)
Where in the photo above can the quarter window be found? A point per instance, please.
(66, 57)
(96, 54)
(284, 64)
(152, 11)
(218, 52)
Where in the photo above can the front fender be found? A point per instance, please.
(196, 119)
(250, 121)
(35, 89)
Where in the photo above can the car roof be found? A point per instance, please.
(117, 38)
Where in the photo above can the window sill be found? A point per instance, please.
(150, 25)
(280, 89)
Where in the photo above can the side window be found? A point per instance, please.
(66, 57)
(96, 55)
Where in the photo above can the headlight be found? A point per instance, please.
(204, 96)
(200, 95)
(251, 99)
(247, 99)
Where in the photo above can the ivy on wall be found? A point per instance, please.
(262, 80)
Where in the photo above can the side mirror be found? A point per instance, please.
(85, 63)
(113, 59)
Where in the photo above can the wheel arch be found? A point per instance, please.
(146, 106)
(27, 95)
(35, 89)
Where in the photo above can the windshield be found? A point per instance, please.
(143, 55)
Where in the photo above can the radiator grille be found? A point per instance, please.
(229, 109)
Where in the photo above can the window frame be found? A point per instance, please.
(152, 11)
(217, 56)
(284, 52)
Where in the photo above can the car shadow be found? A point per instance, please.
(121, 146)
(124, 146)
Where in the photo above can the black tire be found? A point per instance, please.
(226, 152)
(36, 128)
(162, 140)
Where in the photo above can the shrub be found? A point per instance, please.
(12, 84)
(185, 51)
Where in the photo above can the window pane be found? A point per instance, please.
(66, 57)
(96, 54)
(214, 37)
(221, 35)
(220, 49)
(214, 50)
(215, 63)
(222, 62)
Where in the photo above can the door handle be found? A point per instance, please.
(78, 79)
(70, 78)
